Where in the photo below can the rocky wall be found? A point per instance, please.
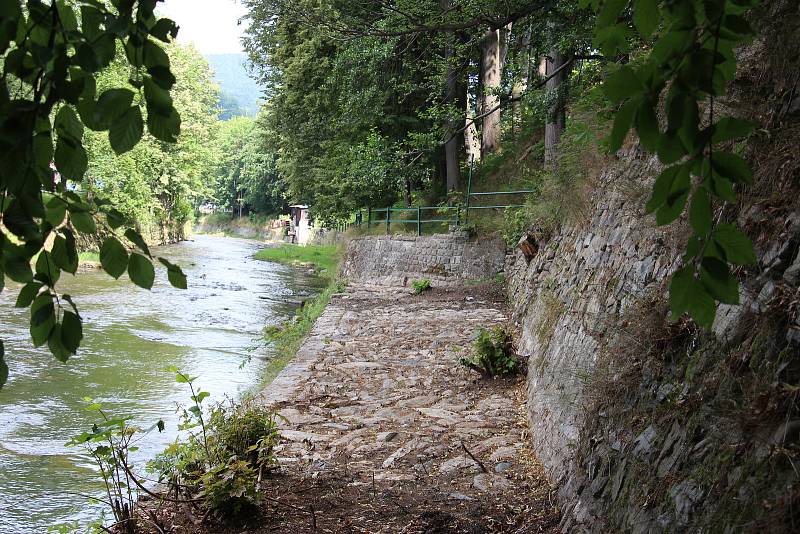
(637, 419)
(444, 259)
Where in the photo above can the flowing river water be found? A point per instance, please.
(211, 330)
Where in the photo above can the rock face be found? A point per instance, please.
(607, 399)
(562, 300)
(445, 259)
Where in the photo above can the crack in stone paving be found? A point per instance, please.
(377, 391)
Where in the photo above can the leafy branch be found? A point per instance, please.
(53, 53)
(691, 62)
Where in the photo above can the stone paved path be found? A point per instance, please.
(377, 395)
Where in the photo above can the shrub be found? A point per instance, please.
(493, 353)
(420, 285)
(225, 455)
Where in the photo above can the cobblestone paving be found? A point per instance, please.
(377, 391)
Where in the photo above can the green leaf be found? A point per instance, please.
(71, 159)
(105, 50)
(200, 397)
(18, 219)
(662, 187)
(140, 271)
(115, 218)
(154, 55)
(622, 123)
(83, 221)
(126, 131)
(702, 307)
(700, 216)
(647, 125)
(164, 30)
(732, 167)
(174, 274)
(687, 294)
(113, 257)
(158, 99)
(113, 103)
(56, 345)
(610, 12)
(164, 127)
(680, 291)
(613, 40)
(65, 253)
(621, 84)
(718, 280)
(676, 199)
(670, 148)
(56, 210)
(27, 294)
(67, 124)
(18, 268)
(646, 16)
(71, 332)
(731, 128)
(136, 238)
(3, 365)
(46, 269)
(43, 319)
(737, 246)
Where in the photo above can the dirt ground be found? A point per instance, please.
(388, 432)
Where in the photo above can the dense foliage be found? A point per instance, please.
(159, 184)
(246, 174)
(52, 53)
(371, 103)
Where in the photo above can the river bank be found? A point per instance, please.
(383, 430)
(212, 330)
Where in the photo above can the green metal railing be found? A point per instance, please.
(387, 219)
(419, 221)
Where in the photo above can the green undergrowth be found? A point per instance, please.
(90, 256)
(287, 337)
(324, 258)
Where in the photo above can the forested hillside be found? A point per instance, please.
(239, 93)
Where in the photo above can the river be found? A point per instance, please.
(131, 336)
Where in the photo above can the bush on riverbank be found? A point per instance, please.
(228, 450)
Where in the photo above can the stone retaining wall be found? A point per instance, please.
(653, 453)
(445, 259)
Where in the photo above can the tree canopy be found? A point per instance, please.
(105, 124)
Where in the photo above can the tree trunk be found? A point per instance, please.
(491, 75)
(556, 115)
(471, 141)
(451, 100)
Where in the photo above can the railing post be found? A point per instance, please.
(419, 221)
(369, 218)
(458, 215)
(469, 189)
(388, 219)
